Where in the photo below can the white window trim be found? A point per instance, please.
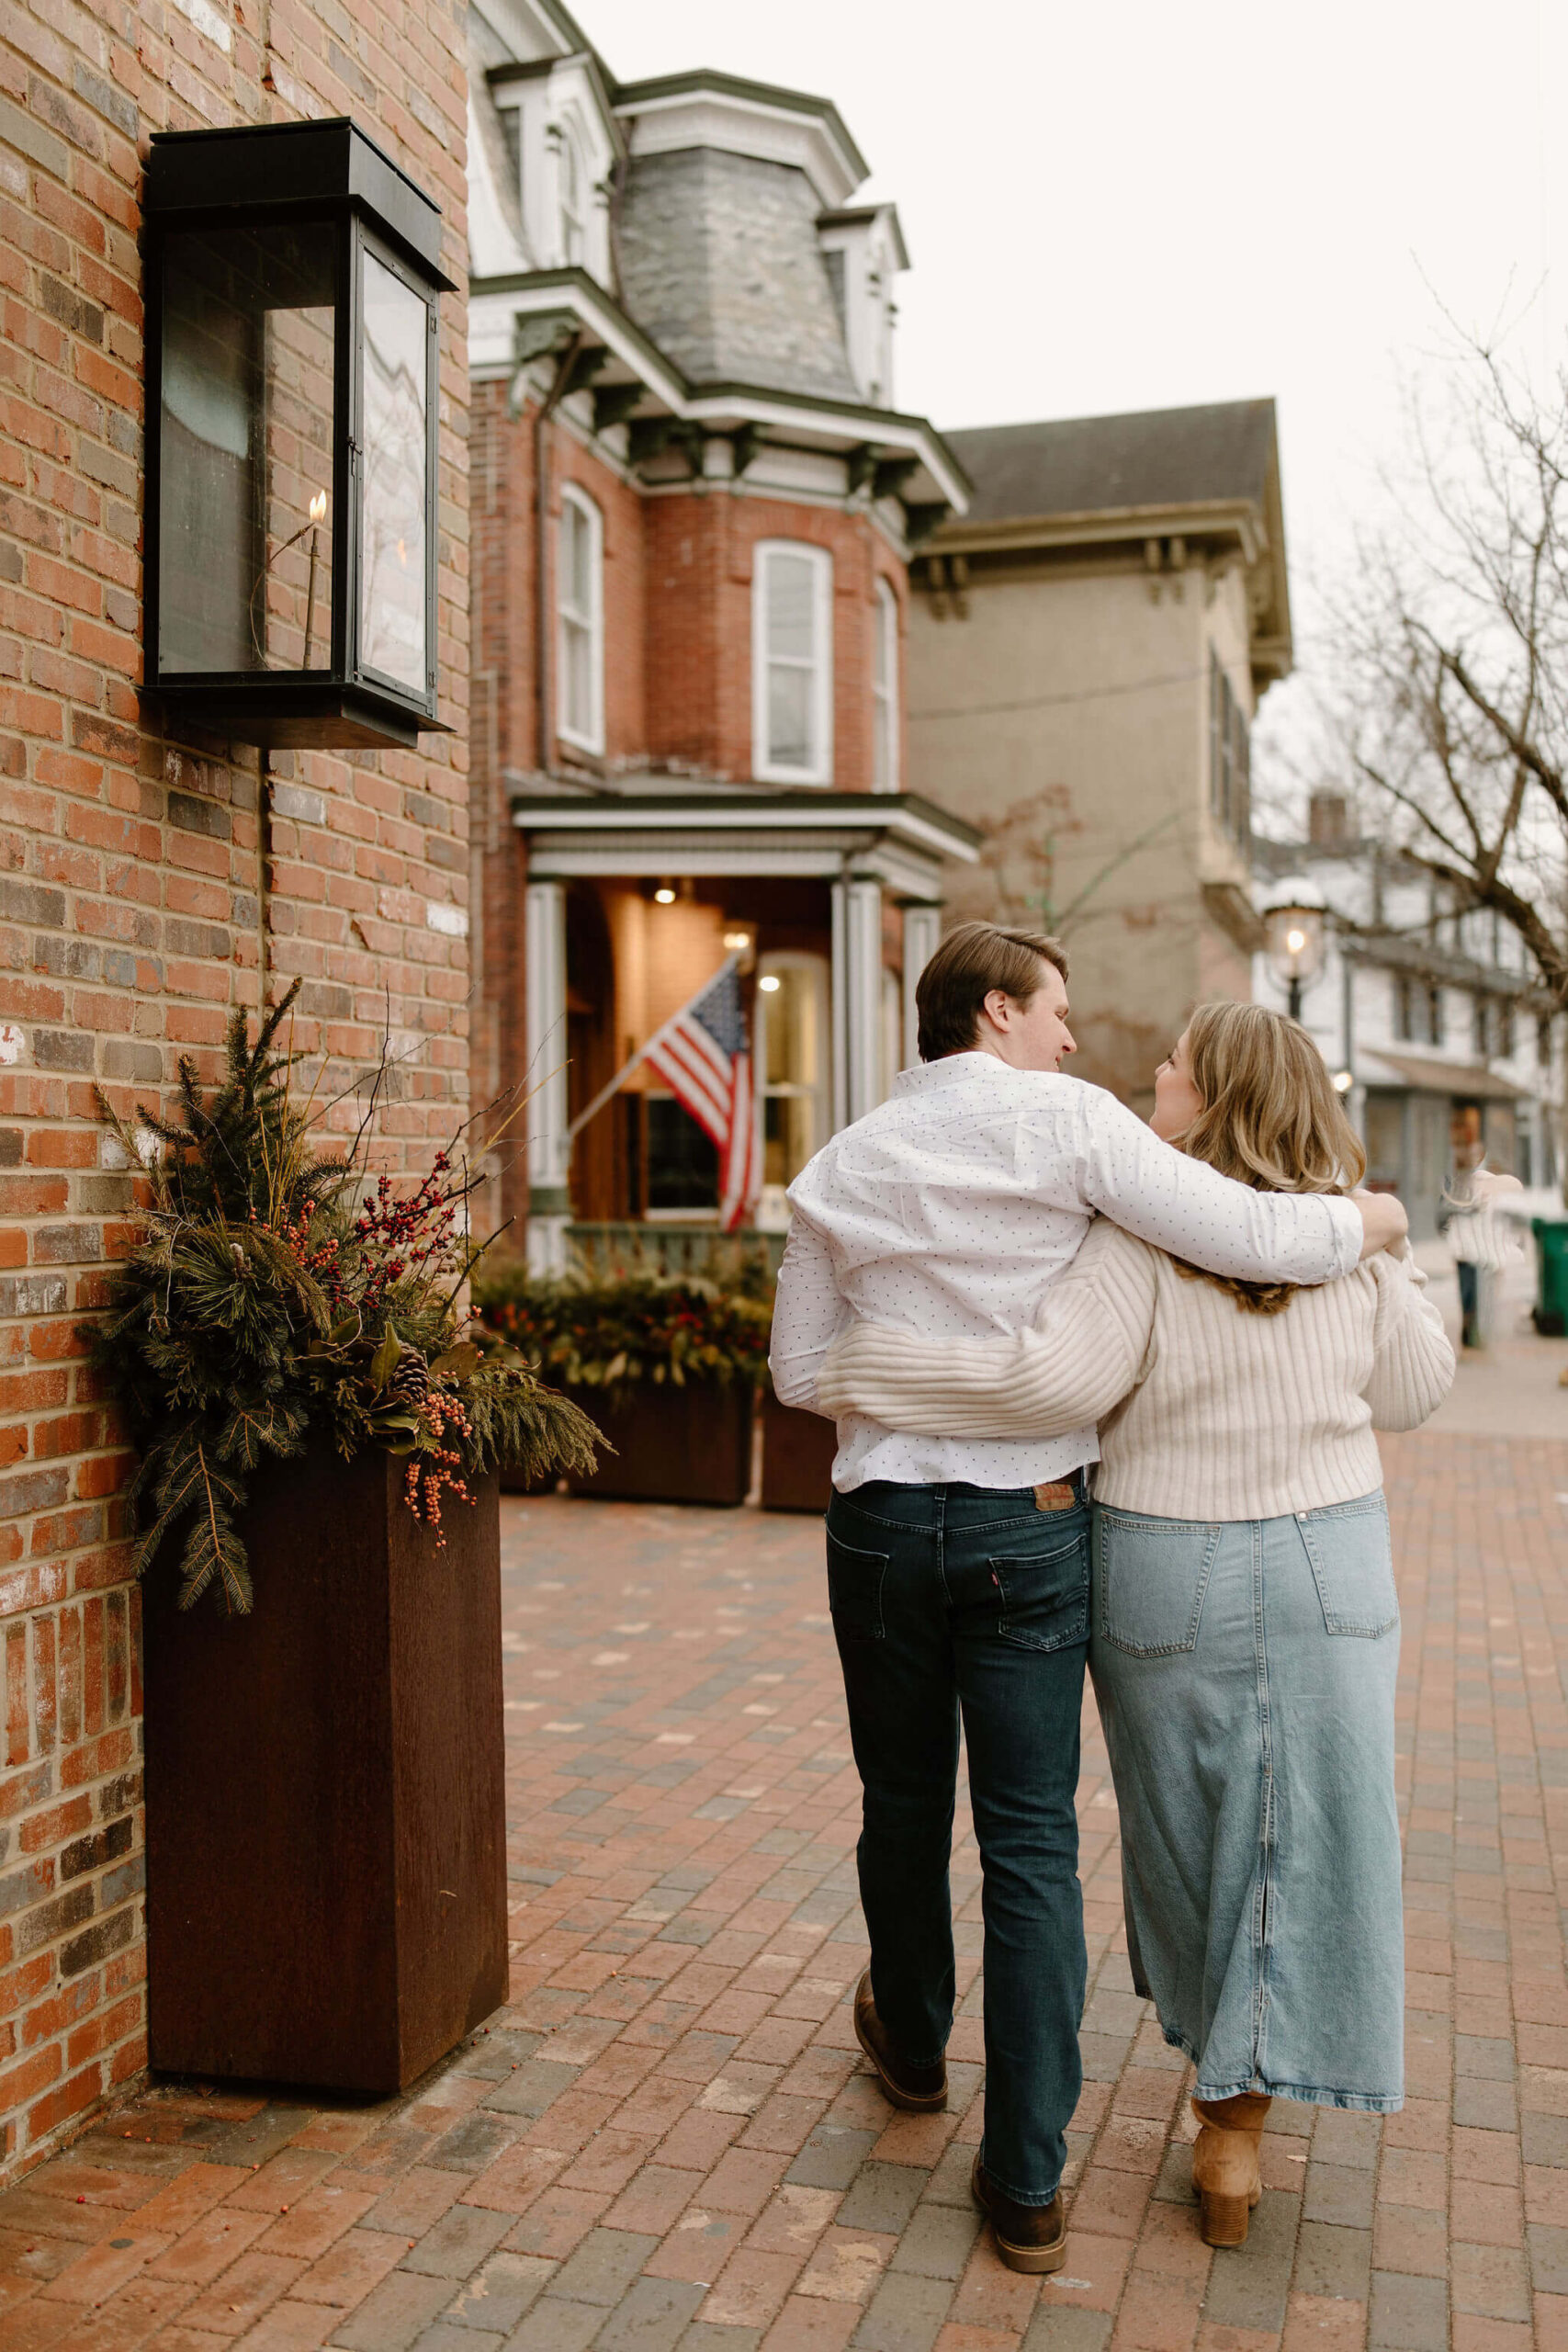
(570, 159)
(822, 561)
(593, 739)
(886, 698)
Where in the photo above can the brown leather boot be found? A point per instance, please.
(1224, 2164)
(1032, 2238)
(920, 2088)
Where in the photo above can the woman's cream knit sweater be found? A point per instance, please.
(1205, 1411)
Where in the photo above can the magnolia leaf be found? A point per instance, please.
(386, 1360)
(458, 1363)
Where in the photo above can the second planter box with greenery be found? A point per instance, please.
(668, 1367)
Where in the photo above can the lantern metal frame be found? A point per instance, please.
(1296, 970)
(333, 175)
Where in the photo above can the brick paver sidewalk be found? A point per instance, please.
(667, 2140)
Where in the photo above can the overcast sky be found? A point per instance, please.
(1125, 205)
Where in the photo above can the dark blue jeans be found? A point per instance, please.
(950, 1598)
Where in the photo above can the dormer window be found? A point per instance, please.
(863, 252)
(573, 201)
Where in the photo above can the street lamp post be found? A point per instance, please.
(1294, 924)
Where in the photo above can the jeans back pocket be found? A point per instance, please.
(1151, 1575)
(1044, 1593)
(854, 1590)
(1351, 1556)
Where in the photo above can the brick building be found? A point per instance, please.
(151, 881)
(694, 507)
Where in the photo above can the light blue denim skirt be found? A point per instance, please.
(1246, 1675)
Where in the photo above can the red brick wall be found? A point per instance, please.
(699, 560)
(147, 886)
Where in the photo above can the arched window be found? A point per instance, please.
(792, 663)
(885, 691)
(580, 605)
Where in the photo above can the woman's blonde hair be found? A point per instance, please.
(1271, 1118)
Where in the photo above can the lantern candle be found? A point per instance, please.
(318, 511)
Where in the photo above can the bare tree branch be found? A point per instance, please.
(1452, 653)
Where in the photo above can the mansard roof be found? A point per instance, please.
(722, 285)
(722, 266)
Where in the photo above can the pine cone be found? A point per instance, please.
(410, 1384)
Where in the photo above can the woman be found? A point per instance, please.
(1245, 1631)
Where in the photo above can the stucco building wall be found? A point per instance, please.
(1066, 713)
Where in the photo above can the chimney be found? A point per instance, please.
(1328, 825)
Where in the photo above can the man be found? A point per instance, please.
(958, 1572)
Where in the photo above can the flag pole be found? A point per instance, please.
(644, 1050)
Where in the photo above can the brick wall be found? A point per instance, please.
(700, 561)
(147, 886)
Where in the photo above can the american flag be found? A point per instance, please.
(702, 1053)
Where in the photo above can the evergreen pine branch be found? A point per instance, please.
(213, 1550)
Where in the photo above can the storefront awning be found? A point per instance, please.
(1468, 1081)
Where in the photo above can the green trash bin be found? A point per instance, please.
(1551, 1309)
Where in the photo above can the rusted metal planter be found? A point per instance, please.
(672, 1446)
(327, 1825)
(798, 1457)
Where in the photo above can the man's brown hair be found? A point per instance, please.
(970, 963)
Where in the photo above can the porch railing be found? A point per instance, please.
(625, 1248)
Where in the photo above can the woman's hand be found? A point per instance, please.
(1384, 1222)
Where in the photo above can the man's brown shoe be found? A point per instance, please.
(1028, 2237)
(921, 2088)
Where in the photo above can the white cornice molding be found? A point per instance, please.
(495, 304)
(911, 435)
(1239, 519)
(849, 821)
(738, 125)
(493, 308)
(529, 31)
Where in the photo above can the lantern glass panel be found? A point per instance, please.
(394, 394)
(246, 487)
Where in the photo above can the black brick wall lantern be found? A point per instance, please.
(292, 351)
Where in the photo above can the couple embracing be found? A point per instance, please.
(1106, 1392)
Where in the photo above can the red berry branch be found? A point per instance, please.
(425, 1480)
